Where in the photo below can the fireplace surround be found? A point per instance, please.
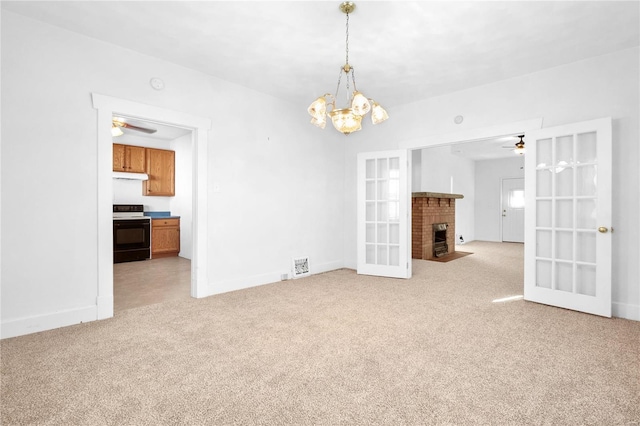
(433, 217)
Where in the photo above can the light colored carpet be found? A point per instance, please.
(336, 348)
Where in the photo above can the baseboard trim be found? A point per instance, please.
(626, 311)
(226, 286)
(37, 323)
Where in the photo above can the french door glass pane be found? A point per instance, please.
(543, 153)
(370, 213)
(586, 147)
(586, 214)
(371, 169)
(394, 211)
(394, 255)
(587, 176)
(564, 276)
(370, 191)
(586, 280)
(586, 247)
(371, 254)
(382, 255)
(543, 184)
(564, 213)
(383, 212)
(543, 248)
(383, 168)
(564, 182)
(382, 233)
(564, 245)
(383, 190)
(543, 273)
(394, 233)
(564, 150)
(371, 233)
(543, 214)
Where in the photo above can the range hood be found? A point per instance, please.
(130, 176)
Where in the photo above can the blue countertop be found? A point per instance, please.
(161, 215)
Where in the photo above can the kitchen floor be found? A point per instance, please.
(152, 281)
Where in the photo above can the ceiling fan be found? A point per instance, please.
(118, 124)
(519, 146)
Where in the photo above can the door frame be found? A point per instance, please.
(107, 107)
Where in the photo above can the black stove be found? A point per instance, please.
(131, 233)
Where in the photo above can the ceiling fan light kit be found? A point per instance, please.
(349, 119)
(117, 124)
(519, 150)
(519, 146)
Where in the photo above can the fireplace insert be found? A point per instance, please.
(440, 247)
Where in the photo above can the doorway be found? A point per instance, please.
(157, 279)
(107, 107)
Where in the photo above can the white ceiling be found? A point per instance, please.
(402, 51)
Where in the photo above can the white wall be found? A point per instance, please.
(441, 171)
(281, 181)
(605, 86)
(488, 179)
(182, 204)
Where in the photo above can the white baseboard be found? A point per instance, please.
(35, 324)
(626, 311)
(262, 279)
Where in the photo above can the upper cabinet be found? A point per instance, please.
(127, 158)
(161, 170)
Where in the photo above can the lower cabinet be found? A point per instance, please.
(165, 237)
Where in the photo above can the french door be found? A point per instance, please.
(568, 216)
(384, 224)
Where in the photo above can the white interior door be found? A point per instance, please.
(513, 210)
(568, 216)
(384, 224)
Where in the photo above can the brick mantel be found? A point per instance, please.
(428, 208)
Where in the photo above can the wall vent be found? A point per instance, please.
(300, 267)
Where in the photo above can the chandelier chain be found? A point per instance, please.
(347, 41)
(338, 86)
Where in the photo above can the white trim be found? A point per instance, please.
(626, 311)
(107, 106)
(37, 323)
(226, 286)
(473, 134)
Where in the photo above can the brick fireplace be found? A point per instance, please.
(431, 214)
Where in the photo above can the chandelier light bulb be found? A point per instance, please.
(319, 122)
(318, 108)
(360, 104)
(345, 120)
(378, 114)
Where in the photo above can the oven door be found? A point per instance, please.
(131, 239)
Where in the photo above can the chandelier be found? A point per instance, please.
(348, 119)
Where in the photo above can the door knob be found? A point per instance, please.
(603, 229)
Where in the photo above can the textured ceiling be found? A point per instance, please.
(402, 51)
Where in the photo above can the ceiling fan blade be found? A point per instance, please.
(139, 129)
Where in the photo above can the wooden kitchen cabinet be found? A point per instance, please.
(165, 237)
(128, 158)
(161, 170)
